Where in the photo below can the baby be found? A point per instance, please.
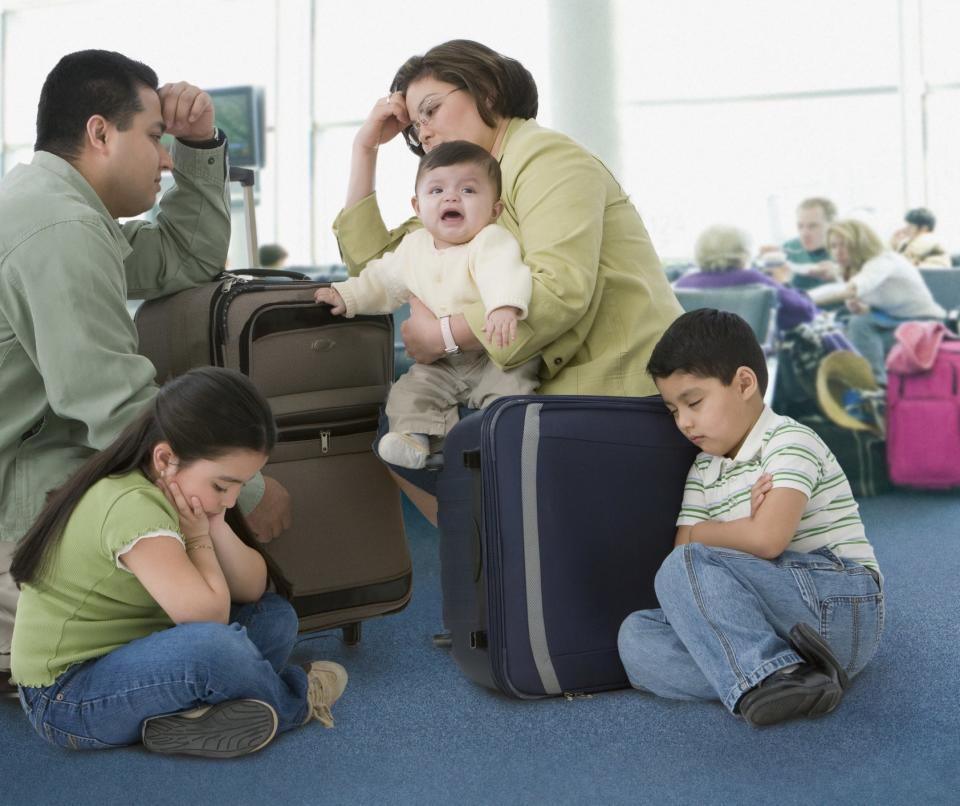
(459, 257)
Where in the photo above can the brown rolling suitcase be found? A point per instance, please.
(326, 378)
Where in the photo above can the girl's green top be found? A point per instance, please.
(87, 604)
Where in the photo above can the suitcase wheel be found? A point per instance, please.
(443, 640)
(351, 633)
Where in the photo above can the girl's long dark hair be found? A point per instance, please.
(203, 414)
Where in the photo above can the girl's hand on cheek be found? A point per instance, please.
(193, 520)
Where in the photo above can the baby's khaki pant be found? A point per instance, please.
(427, 398)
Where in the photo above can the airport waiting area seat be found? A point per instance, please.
(944, 284)
(757, 304)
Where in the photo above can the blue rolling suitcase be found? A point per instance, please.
(555, 514)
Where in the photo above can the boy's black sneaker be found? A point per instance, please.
(224, 730)
(816, 651)
(804, 692)
(813, 689)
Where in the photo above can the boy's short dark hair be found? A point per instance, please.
(455, 153)
(83, 84)
(710, 344)
(921, 217)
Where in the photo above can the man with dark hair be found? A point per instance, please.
(272, 256)
(915, 240)
(70, 376)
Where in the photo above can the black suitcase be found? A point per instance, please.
(555, 514)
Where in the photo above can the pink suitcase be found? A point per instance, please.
(923, 423)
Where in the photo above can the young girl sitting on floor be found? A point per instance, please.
(144, 612)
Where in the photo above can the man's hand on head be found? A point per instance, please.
(187, 112)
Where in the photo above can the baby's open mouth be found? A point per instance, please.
(451, 215)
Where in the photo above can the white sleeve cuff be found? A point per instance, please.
(132, 543)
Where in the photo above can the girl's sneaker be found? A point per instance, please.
(227, 729)
(326, 681)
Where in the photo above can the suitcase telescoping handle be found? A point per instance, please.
(245, 178)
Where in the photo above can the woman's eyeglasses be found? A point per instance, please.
(428, 108)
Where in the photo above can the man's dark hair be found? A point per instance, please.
(710, 344)
(456, 152)
(921, 217)
(83, 84)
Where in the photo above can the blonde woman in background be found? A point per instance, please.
(880, 287)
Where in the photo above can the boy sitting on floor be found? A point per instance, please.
(771, 599)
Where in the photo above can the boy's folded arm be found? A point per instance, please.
(767, 534)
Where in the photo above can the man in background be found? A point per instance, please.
(272, 256)
(807, 256)
(916, 241)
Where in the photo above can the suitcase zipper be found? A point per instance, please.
(327, 433)
(494, 608)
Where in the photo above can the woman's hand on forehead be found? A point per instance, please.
(386, 120)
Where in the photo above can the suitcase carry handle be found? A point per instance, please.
(268, 273)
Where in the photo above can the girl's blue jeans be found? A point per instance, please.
(724, 616)
(103, 702)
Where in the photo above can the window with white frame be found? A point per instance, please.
(728, 111)
(734, 112)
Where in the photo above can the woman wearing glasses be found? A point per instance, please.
(600, 298)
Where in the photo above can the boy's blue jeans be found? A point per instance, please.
(724, 616)
(103, 702)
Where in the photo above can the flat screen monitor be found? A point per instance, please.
(239, 112)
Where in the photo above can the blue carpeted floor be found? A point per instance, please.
(411, 730)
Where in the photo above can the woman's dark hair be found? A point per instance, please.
(500, 86)
(710, 344)
(83, 84)
(203, 414)
(457, 152)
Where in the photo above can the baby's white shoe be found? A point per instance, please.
(404, 450)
